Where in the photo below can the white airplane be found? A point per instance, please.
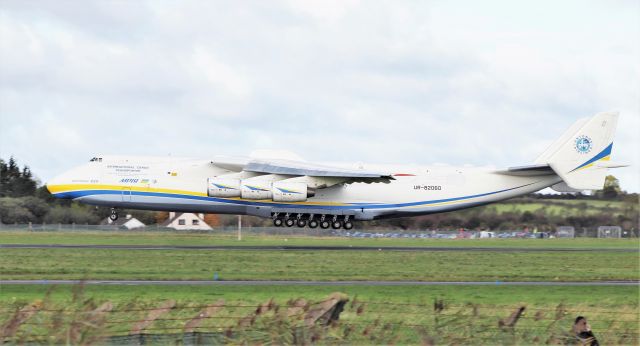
(295, 192)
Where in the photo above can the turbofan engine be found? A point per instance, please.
(259, 189)
(223, 187)
(284, 191)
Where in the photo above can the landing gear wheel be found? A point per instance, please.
(277, 222)
(301, 223)
(348, 225)
(336, 224)
(325, 224)
(114, 215)
(289, 222)
(313, 224)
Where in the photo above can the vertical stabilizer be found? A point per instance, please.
(576, 155)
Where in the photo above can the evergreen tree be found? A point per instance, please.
(14, 182)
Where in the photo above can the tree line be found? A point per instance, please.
(23, 200)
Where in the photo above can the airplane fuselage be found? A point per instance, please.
(180, 184)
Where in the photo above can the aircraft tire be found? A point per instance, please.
(325, 224)
(289, 222)
(336, 224)
(113, 216)
(313, 223)
(278, 222)
(301, 223)
(348, 225)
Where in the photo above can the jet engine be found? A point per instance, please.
(223, 187)
(284, 191)
(256, 189)
(274, 187)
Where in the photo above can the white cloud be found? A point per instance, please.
(418, 83)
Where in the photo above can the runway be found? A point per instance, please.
(313, 283)
(304, 248)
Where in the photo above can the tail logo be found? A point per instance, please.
(583, 144)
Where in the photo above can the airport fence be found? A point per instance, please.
(317, 232)
(337, 319)
(231, 231)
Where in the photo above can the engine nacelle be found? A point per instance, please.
(289, 192)
(223, 187)
(256, 189)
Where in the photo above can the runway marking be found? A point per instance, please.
(303, 248)
(314, 283)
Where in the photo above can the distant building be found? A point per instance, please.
(487, 234)
(184, 221)
(127, 222)
(565, 232)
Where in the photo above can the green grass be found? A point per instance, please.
(563, 207)
(251, 239)
(318, 265)
(613, 297)
(391, 314)
(612, 311)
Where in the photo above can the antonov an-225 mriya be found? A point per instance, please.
(295, 192)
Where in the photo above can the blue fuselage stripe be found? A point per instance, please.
(85, 193)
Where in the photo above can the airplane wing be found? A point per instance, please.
(286, 167)
(314, 175)
(233, 164)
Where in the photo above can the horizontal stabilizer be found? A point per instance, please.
(527, 171)
(609, 164)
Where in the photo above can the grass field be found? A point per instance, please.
(313, 265)
(381, 314)
(564, 207)
(613, 311)
(249, 239)
(585, 296)
(317, 265)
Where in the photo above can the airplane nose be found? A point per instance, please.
(54, 186)
(49, 187)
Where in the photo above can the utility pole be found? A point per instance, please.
(239, 227)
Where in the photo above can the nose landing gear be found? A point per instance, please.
(114, 214)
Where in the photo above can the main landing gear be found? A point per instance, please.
(313, 221)
(114, 214)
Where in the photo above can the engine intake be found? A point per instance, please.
(223, 187)
(256, 189)
(259, 189)
(289, 192)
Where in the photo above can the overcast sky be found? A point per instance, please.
(457, 82)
